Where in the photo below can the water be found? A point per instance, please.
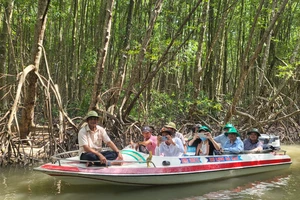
(17, 184)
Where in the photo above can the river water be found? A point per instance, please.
(20, 183)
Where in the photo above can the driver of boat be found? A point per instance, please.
(90, 138)
(252, 143)
(168, 145)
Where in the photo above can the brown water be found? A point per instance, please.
(16, 183)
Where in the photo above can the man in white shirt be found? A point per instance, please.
(168, 145)
(172, 126)
(90, 138)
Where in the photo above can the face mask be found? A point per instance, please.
(203, 139)
(164, 138)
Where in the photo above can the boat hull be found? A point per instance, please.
(181, 170)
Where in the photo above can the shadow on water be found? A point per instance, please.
(27, 184)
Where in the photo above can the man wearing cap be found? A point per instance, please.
(252, 143)
(169, 145)
(172, 126)
(90, 138)
(150, 140)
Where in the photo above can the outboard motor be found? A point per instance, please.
(270, 141)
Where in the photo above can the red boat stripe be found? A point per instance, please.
(178, 169)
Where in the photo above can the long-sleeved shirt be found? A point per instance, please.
(236, 147)
(248, 145)
(171, 150)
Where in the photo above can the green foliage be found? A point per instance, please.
(167, 107)
(285, 71)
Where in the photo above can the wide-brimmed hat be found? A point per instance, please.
(232, 131)
(228, 126)
(167, 131)
(254, 130)
(171, 125)
(204, 128)
(91, 113)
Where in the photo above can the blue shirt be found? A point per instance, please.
(248, 145)
(221, 139)
(236, 147)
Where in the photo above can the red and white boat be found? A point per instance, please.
(138, 170)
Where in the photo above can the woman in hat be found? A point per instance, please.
(252, 143)
(203, 146)
(90, 138)
(169, 145)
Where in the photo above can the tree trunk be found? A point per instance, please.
(4, 36)
(98, 82)
(246, 67)
(36, 53)
(198, 68)
(141, 56)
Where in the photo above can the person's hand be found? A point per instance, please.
(170, 141)
(132, 144)
(208, 135)
(159, 140)
(120, 156)
(102, 159)
(196, 136)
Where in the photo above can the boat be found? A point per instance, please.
(139, 169)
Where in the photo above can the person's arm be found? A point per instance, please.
(237, 148)
(145, 143)
(216, 145)
(179, 145)
(207, 149)
(97, 153)
(198, 150)
(259, 147)
(195, 137)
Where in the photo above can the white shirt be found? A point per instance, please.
(171, 150)
(93, 139)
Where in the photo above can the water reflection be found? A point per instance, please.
(18, 184)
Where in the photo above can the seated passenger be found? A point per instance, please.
(203, 146)
(222, 138)
(233, 145)
(252, 143)
(90, 138)
(194, 141)
(172, 126)
(168, 145)
(149, 142)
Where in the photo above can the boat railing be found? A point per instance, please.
(257, 152)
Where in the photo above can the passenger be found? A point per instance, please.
(203, 146)
(90, 138)
(233, 145)
(252, 143)
(172, 126)
(169, 145)
(222, 138)
(149, 142)
(193, 142)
